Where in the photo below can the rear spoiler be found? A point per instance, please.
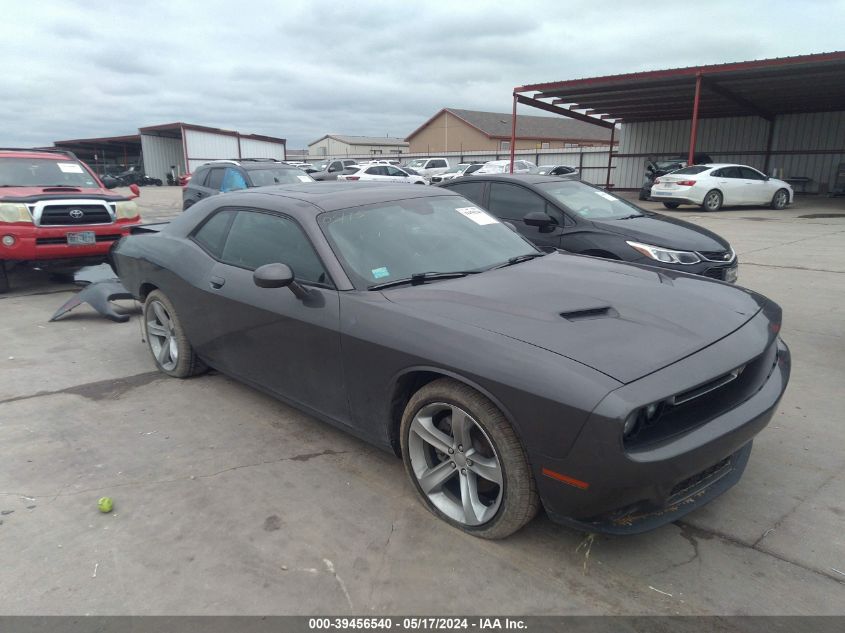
(141, 229)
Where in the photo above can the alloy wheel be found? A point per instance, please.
(455, 464)
(162, 336)
(713, 201)
(780, 200)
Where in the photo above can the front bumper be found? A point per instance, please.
(635, 490)
(41, 243)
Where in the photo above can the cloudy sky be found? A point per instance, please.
(303, 69)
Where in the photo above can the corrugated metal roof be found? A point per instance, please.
(498, 125)
(766, 87)
(363, 140)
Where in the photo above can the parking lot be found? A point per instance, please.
(229, 502)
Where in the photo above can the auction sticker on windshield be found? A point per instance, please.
(477, 215)
(604, 195)
(70, 168)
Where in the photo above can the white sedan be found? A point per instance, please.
(713, 185)
(504, 167)
(383, 173)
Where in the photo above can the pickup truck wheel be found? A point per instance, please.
(4, 278)
(465, 462)
(166, 339)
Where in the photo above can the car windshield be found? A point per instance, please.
(589, 202)
(44, 172)
(459, 169)
(418, 163)
(389, 241)
(689, 171)
(264, 177)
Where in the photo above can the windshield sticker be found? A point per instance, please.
(378, 273)
(70, 168)
(477, 215)
(304, 178)
(605, 195)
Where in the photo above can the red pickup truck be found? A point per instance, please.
(55, 212)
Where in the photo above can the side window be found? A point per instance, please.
(731, 172)
(215, 178)
(258, 238)
(751, 174)
(232, 180)
(469, 190)
(392, 171)
(438, 163)
(373, 171)
(513, 202)
(212, 234)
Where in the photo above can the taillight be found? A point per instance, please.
(353, 177)
(685, 183)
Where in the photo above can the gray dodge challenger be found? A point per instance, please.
(617, 396)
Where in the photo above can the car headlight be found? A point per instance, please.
(126, 210)
(14, 212)
(665, 255)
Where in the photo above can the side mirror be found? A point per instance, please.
(510, 226)
(110, 182)
(136, 192)
(278, 276)
(542, 221)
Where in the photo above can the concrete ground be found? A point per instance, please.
(228, 502)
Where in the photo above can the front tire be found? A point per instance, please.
(671, 205)
(465, 462)
(4, 278)
(712, 201)
(780, 200)
(166, 338)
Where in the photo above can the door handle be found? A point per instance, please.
(216, 282)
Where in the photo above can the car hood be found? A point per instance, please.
(658, 230)
(623, 320)
(30, 194)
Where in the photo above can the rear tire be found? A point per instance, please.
(712, 201)
(780, 200)
(671, 205)
(166, 339)
(473, 465)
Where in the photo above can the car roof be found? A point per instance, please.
(334, 195)
(531, 179)
(29, 154)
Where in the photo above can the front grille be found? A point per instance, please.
(714, 273)
(699, 481)
(72, 214)
(717, 256)
(41, 241)
(687, 410)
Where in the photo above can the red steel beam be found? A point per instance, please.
(513, 132)
(548, 107)
(694, 127)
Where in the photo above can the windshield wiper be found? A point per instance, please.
(520, 258)
(631, 217)
(420, 278)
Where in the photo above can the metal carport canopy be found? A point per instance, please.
(765, 88)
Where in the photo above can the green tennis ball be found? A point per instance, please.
(105, 504)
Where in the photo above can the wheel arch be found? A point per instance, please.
(145, 289)
(410, 380)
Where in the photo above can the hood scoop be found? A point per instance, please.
(61, 189)
(585, 314)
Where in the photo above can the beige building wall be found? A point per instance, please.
(447, 133)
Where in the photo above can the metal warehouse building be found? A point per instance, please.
(783, 116)
(178, 146)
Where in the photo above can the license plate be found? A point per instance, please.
(730, 274)
(662, 193)
(82, 238)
